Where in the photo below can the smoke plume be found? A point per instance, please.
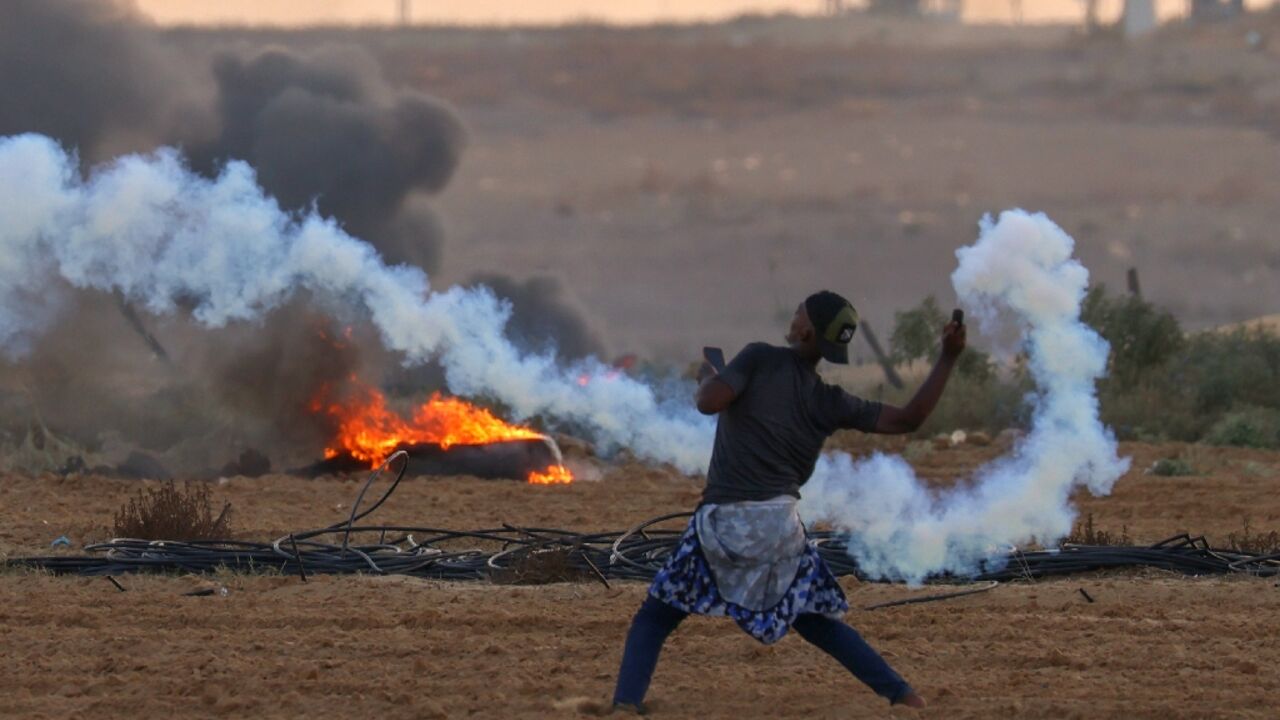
(84, 71)
(1020, 271)
(543, 317)
(167, 238)
(325, 131)
(321, 128)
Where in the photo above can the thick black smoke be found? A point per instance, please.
(82, 71)
(543, 316)
(323, 129)
(327, 130)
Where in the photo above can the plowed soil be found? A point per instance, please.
(1150, 645)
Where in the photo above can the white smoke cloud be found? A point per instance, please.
(146, 226)
(1020, 271)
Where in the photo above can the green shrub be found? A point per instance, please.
(1166, 386)
(1151, 411)
(1222, 370)
(916, 332)
(1142, 337)
(1172, 467)
(1254, 427)
(917, 335)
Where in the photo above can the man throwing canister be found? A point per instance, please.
(745, 554)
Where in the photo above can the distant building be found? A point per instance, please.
(943, 8)
(1139, 17)
(1202, 10)
(897, 7)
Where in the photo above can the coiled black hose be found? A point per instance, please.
(635, 554)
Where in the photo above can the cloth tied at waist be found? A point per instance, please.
(753, 548)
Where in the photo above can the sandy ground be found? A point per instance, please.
(1152, 645)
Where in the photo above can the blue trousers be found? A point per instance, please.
(656, 620)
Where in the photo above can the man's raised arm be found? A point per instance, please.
(897, 420)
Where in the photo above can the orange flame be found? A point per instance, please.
(368, 430)
(555, 475)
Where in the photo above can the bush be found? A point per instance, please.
(915, 332)
(1253, 427)
(166, 513)
(1223, 370)
(1167, 386)
(917, 335)
(1151, 411)
(1142, 337)
(1172, 467)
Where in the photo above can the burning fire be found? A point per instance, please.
(555, 475)
(368, 430)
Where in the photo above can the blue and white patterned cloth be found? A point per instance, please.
(687, 581)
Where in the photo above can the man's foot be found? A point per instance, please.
(911, 700)
(629, 709)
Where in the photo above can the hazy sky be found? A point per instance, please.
(554, 11)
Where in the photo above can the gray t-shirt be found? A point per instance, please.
(769, 438)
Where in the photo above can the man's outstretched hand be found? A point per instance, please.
(953, 339)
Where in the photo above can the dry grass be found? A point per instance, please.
(1245, 540)
(541, 567)
(1086, 533)
(167, 513)
(1248, 540)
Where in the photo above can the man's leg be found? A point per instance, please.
(653, 623)
(845, 644)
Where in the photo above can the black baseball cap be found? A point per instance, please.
(835, 321)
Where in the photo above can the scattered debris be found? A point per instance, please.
(979, 439)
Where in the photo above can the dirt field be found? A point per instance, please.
(1152, 645)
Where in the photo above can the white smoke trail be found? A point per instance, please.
(148, 227)
(1020, 269)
